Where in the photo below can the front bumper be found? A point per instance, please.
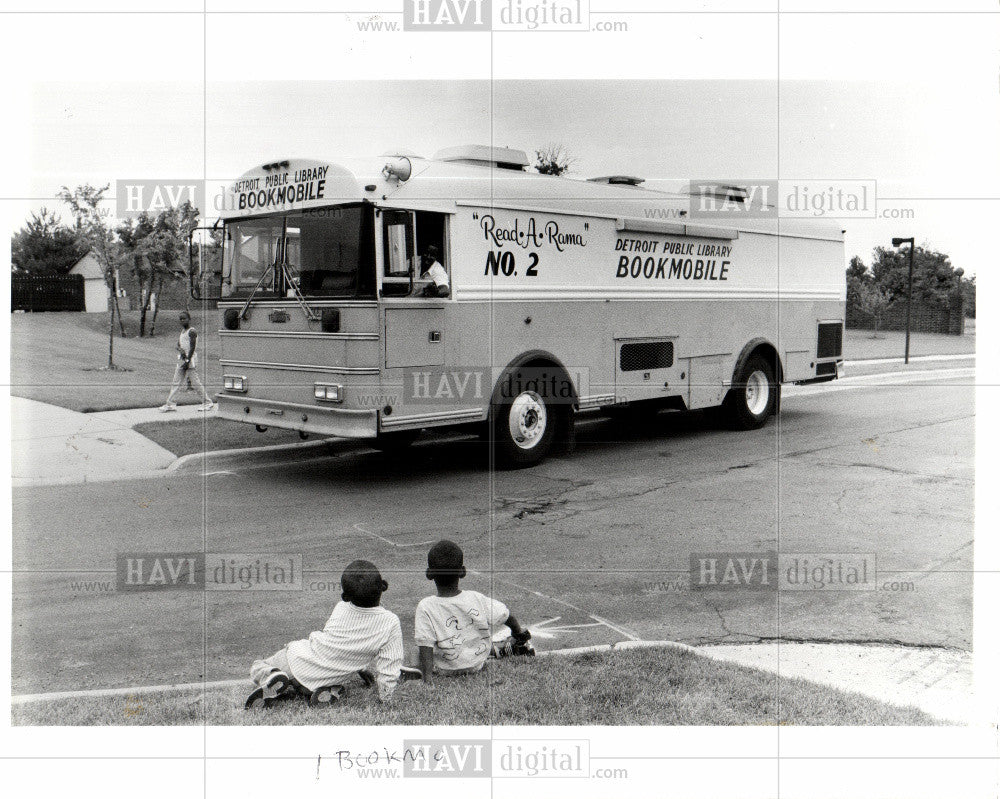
(320, 420)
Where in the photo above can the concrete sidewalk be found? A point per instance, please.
(938, 681)
(52, 445)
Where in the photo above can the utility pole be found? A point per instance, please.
(909, 293)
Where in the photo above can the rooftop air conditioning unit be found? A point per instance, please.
(618, 180)
(484, 155)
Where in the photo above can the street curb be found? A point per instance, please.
(582, 650)
(241, 457)
(957, 356)
(25, 699)
(257, 456)
(110, 477)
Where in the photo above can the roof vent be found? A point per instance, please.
(721, 192)
(484, 155)
(399, 152)
(618, 180)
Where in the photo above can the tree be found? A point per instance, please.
(858, 269)
(44, 246)
(156, 248)
(553, 159)
(92, 230)
(170, 236)
(934, 277)
(873, 300)
(969, 296)
(134, 236)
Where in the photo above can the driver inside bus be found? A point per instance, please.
(432, 271)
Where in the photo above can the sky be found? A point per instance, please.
(916, 140)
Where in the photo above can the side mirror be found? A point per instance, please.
(200, 274)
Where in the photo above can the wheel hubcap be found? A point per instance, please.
(758, 393)
(527, 419)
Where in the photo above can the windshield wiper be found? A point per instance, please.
(310, 314)
(263, 277)
(286, 274)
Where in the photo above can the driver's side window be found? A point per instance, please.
(397, 252)
(414, 254)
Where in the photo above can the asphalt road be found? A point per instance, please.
(589, 547)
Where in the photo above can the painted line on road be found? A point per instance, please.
(616, 628)
(389, 541)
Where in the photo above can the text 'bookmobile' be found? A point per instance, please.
(376, 299)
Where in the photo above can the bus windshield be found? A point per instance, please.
(328, 252)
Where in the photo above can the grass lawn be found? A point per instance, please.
(864, 344)
(57, 358)
(208, 435)
(623, 687)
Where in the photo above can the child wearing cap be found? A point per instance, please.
(454, 629)
(361, 639)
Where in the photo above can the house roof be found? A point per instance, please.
(87, 266)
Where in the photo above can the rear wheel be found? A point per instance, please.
(754, 395)
(523, 429)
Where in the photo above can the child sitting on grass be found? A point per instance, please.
(360, 638)
(454, 629)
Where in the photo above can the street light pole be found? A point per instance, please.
(909, 294)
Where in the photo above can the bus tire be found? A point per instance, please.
(524, 428)
(395, 441)
(753, 397)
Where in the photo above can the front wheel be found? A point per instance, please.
(754, 395)
(523, 429)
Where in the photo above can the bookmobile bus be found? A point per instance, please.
(563, 296)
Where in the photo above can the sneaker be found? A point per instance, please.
(257, 700)
(522, 644)
(513, 646)
(406, 673)
(327, 695)
(277, 686)
(208, 406)
(278, 681)
(167, 406)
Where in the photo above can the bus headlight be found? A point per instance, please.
(328, 392)
(234, 383)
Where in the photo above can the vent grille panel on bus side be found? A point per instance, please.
(645, 355)
(831, 340)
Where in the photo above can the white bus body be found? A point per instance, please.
(613, 289)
